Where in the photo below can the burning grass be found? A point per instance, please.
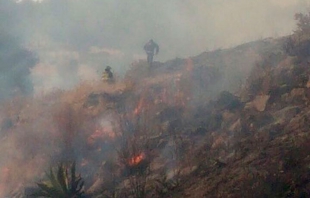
(44, 129)
(136, 160)
(127, 136)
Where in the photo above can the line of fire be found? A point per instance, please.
(115, 134)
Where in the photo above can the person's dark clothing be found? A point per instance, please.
(110, 74)
(107, 76)
(150, 48)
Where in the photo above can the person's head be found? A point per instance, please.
(151, 41)
(108, 68)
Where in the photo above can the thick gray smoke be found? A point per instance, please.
(88, 35)
(15, 60)
(76, 39)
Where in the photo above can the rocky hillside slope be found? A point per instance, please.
(259, 148)
(227, 123)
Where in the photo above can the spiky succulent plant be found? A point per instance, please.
(61, 184)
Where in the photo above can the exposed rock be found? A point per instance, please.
(187, 170)
(236, 127)
(212, 122)
(219, 142)
(227, 101)
(297, 95)
(286, 113)
(227, 116)
(259, 103)
(253, 121)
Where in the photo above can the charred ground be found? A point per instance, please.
(227, 123)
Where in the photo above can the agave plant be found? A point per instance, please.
(61, 184)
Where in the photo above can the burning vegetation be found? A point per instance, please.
(173, 130)
(136, 160)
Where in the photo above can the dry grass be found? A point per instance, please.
(43, 127)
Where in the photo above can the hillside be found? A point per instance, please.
(260, 146)
(226, 123)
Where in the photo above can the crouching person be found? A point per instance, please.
(107, 75)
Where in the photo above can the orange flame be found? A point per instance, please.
(103, 133)
(139, 107)
(136, 159)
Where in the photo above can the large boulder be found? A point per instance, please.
(297, 96)
(286, 114)
(228, 101)
(259, 103)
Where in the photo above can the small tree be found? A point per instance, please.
(303, 24)
(298, 44)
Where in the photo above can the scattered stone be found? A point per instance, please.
(188, 170)
(219, 142)
(236, 127)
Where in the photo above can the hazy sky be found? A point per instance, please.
(118, 29)
(181, 27)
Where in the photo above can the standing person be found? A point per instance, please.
(150, 48)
